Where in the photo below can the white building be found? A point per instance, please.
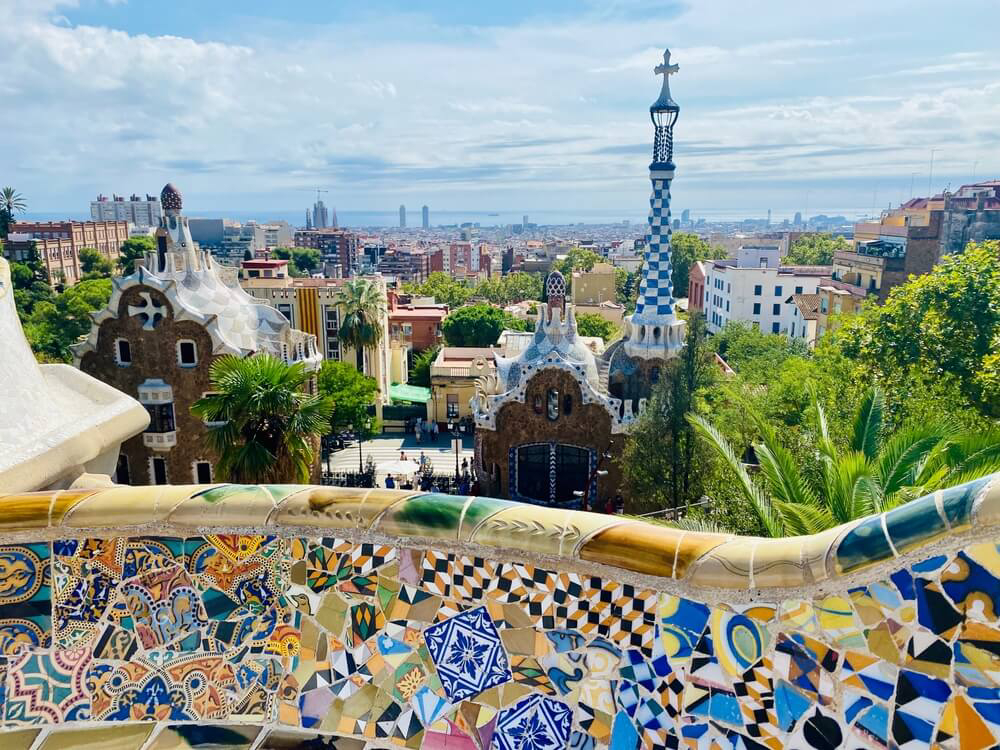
(143, 213)
(754, 288)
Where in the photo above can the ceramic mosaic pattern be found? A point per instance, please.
(277, 640)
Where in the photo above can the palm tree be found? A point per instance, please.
(363, 309)
(267, 421)
(877, 472)
(11, 202)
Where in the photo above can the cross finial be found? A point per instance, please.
(666, 69)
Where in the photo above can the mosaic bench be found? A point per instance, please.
(291, 616)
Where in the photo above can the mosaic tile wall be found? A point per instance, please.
(350, 640)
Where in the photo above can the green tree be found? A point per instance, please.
(444, 289)
(946, 322)
(478, 325)
(31, 284)
(577, 259)
(592, 324)
(94, 264)
(878, 470)
(754, 354)
(351, 393)
(57, 322)
(133, 249)
(363, 307)
(268, 423)
(306, 260)
(11, 203)
(685, 249)
(420, 372)
(663, 464)
(506, 290)
(815, 249)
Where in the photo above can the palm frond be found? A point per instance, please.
(759, 500)
(868, 422)
(851, 489)
(802, 520)
(901, 458)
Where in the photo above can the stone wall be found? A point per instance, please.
(294, 616)
(154, 355)
(588, 426)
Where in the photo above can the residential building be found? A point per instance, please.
(207, 233)
(594, 286)
(339, 248)
(416, 324)
(911, 239)
(278, 234)
(837, 298)
(58, 244)
(140, 212)
(696, 287)
(313, 305)
(453, 381)
(263, 269)
(754, 288)
(163, 327)
(463, 260)
(805, 314)
(406, 264)
(425, 217)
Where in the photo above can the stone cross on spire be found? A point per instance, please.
(666, 70)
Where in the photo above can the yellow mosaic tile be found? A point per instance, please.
(726, 566)
(18, 740)
(123, 737)
(27, 511)
(125, 506)
(529, 528)
(234, 505)
(185, 737)
(637, 546)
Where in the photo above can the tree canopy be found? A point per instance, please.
(133, 249)
(478, 325)
(592, 324)
(443, 288)
(94, 264)
(815, 249)
(57, 322)
(302, 261)
(351, 393)
(514, 287)
(420, 371)
(685, 249)
(577, 259)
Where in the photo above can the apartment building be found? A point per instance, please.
(58, 244)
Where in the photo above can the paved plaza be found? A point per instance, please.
(387, 447)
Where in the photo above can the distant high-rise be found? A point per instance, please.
(426, 217)
(769, 217)
(135, 210)
(319, 215)
(402, 216)
(333, 217)
(309, 220)
(524, 221)
(798, 218)
(686, 215)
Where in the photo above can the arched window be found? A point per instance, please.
(123, 352)
(187, 353)
(552, 404)
(567, 404)
(538, 404)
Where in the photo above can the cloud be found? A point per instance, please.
(534, 112)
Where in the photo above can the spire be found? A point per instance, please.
(653, 330)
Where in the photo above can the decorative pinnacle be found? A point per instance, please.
(666, 70)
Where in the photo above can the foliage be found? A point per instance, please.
(876, 470)
(514, 287)
(351, 393)
(58, 321)
(443, 288)
(685, 249)
(478, 325)
(577, 259)
(31, 284)
(663, 464)
(592, 324)
(11, 202)
(363, 310)
(755, 354)
(133, 249)
(268, 421)
(815, 249)
(302, 261)
(94, 264)
(420, 372)
(943, 323)
(626, 288)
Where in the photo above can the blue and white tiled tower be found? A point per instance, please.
(653, 330)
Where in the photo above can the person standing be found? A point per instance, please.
(434, 431)
(390, 483)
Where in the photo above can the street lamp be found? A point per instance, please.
(361, 466)
(456, 443)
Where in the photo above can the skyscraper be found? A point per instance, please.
(653, 330)
(319, 215)
(309, 221)
(426, 217)
(524, 221)
(402, 216)
(333, 217)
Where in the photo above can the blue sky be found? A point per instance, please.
(501, 106)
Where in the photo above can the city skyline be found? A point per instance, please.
(816, 111)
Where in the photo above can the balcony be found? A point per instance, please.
(160, 441)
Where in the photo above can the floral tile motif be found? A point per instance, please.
(468, 654)
(535, 723)
(165, 606)
(25, 597)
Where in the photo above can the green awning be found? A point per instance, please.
(415, 394)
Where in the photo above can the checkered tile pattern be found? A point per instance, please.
(656, 290)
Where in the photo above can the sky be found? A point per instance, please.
(512, 105)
